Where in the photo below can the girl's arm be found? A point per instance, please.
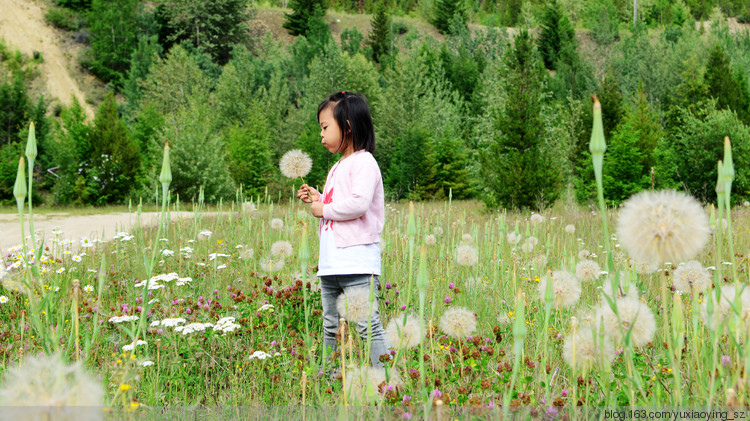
(365, 179)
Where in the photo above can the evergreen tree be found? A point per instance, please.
(114, 161)
(297, 23)
(557, 34)
(411, 174)
(728, 90)
(213, 27)
(517, 166)
(113, 37)
(611, 99)
(14, 109)
(381, 37)
(448, 10)
(147, 51)
(249, 151)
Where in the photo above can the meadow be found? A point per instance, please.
(231, 316)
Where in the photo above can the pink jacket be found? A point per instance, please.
(357, 203)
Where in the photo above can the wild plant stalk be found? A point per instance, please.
(728, 177)
(519, 334)
(422, 281)
(31, 153)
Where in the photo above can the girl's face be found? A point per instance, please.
(330, 132)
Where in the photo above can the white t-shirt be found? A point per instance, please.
(359, 259)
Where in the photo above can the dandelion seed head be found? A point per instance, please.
(539, 261)
(570, 229)
(282, 249)
(44, 387)
(537, 218)
(354, 305)
(566, 290)
(429, 239)
(466, 255)
(458, 322)
(277, 224)
(363, 383)
(724, 311)
(513, 238)
(584, 254)
(246, 253)
(587, 270)
(691, 277)
(272, 264)
(404, 335)
(295, 163)
(583, 350)
(466, 239)
(633, 314)
(659, 226)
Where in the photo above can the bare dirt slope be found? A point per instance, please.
(23, 27)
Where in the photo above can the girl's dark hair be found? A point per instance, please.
(352, 112)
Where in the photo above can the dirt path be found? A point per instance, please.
(22, 25)
(74, 227)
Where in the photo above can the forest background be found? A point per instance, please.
(479, 99)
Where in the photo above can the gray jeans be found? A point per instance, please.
(331, 287)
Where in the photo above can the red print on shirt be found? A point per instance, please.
(328, 198)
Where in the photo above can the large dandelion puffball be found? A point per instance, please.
(458, 322)
(691, 277)
(295, 163)
(634, 315)
(466, 239)
(587, 270)
(282, 249)
(272, 264)
(354, 305)
(662, 226)
(566, 290)
(583, 350)
(44, 387)
(466, 255)
(514, 238)
(429, 239)
(724, 310)
(570, 229)
(364, 383)
(404, 335)
(537, 218)
(277, 223)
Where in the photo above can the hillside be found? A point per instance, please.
(23, 27)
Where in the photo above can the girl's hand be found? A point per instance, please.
(317, 209)
(308, 194)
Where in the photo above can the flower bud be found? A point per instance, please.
(31, 150)
(19, 189)
(166, 171)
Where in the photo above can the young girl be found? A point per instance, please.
(352, 212)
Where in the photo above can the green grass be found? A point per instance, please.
(211, 369)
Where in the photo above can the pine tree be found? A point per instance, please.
(114, 160)
(611, 99)
(724, 86)
(213, 27)
(517, 166)
(381, 36)
(557, 34)
(113, 37)
(297, 22)
(446, 11)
